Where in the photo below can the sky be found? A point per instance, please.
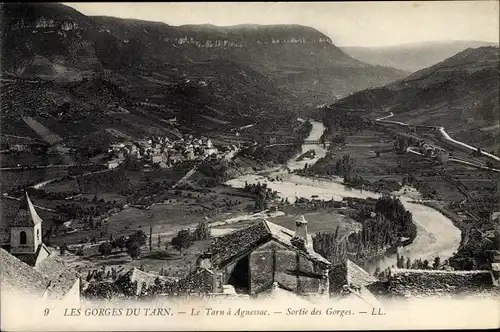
(346, 23)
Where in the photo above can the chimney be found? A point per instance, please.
(301, 228)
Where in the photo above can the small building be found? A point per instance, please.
(157, 158)
(26, 229)
(254, 258)
(114, 163)
(28, 264)
(442, 156)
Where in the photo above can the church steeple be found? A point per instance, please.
(25, 229)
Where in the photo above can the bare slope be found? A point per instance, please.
(459, 93)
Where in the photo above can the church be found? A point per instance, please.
(27, 262)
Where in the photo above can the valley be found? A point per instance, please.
(142, 146)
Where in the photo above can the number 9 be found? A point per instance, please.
(46, 312)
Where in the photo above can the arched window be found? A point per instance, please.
(22, 237)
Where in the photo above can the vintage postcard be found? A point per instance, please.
(250, 166)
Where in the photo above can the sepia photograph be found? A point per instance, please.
(249, 166)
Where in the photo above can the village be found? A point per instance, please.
(165, 153)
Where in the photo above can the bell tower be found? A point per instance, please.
(25, 229)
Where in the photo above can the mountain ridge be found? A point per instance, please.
(460, 93)
(412, 56)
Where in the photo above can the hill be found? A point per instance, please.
(75, 75)
(298, 58)
(413, 56)
(460, 93)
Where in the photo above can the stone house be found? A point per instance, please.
(255, 258)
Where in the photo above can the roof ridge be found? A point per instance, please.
(34, 215)
(265, 221)
(400, 270)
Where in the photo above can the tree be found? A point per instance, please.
(120, 243)
(182, 240)
(63, 248)
(134, 249)
(105, 248)
(202, 232)
(437, 263)
(345, 165)
(139, 236)
(425, 264)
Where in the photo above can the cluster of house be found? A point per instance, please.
(262, 259)
(166, 153)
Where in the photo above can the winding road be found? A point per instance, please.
(444, 134)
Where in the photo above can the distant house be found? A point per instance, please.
(254, 258)
(19, 147)
(29, 266)
(157, 158)
(114, 163)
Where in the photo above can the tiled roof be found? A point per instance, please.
(284, 235)
(348, 273)
(26, 215)
(200, 281)
(32, 258)
(223, 248)
(358, 276)
(421, 283)
(62, 277)
(19, 277)
(226, 247)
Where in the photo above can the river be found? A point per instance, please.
(436, 234)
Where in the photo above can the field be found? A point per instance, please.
(170, 260)
(363, 148)
(178, 209)
(43, 131)
(11, 180)
(435, 181)
(324, 221)
(166, 225)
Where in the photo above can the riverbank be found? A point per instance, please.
(458, 221)
(436, 234)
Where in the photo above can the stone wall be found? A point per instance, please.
(403, 282)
